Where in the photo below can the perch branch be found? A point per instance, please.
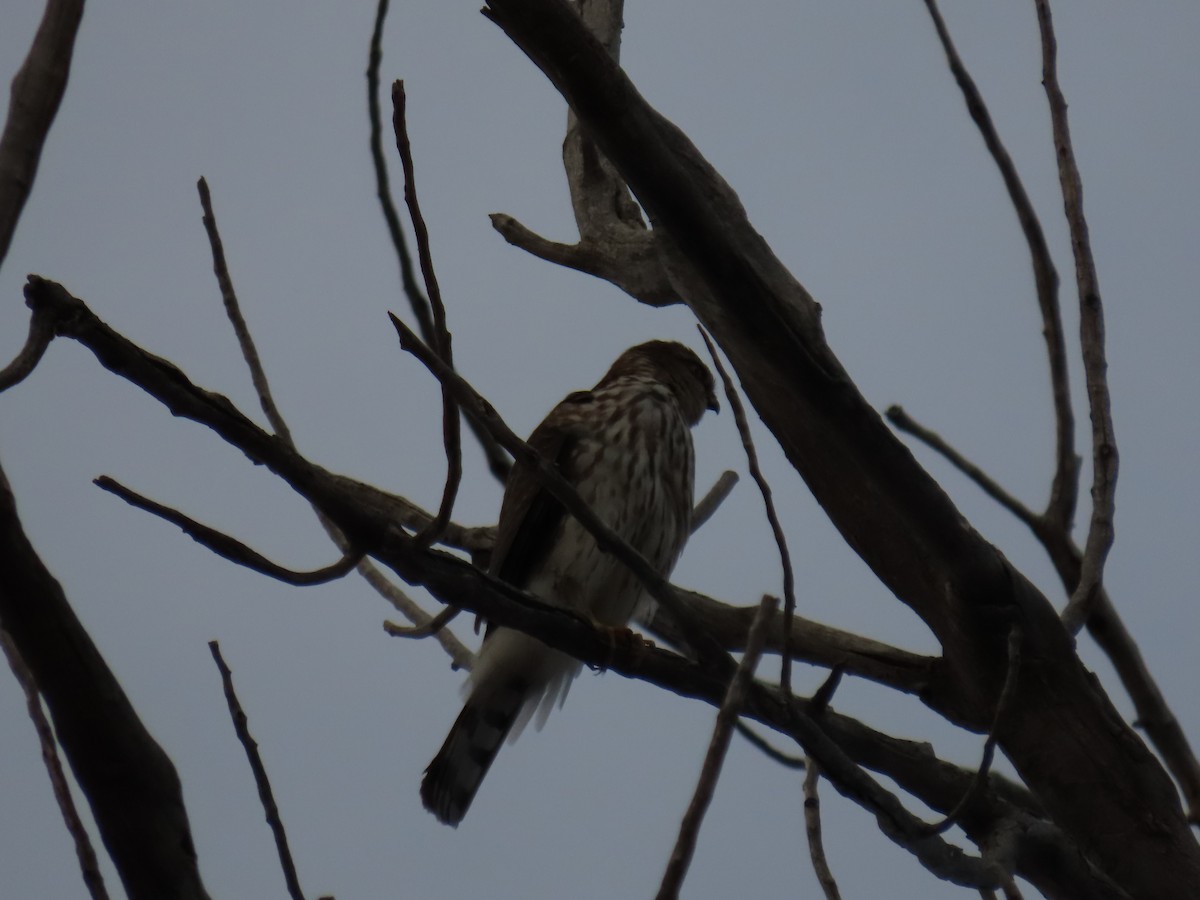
(265, 794)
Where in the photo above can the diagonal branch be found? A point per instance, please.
(1064, 489)
(39, 338)
(263, 783)
(228, 547)
(37, 91)
(714, 759)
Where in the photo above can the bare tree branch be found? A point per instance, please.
(440, 338)
(432, 627)
(759, 742)
(37, 90)
(785, 558)
(1091, 337)
(88, 865)
(228, 547)
(812, 828)
(712, 501)
(1064, 489)
(265, 794)
(129, 781)
(39, 338)
(714, 759)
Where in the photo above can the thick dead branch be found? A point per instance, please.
(1065, 739)
(88, 865)
(37, 90)
(265, 795)
(714, 759)
(228, 547)
(130, 783)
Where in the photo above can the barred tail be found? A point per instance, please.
(455, 774)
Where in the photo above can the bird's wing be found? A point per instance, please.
(530, 517)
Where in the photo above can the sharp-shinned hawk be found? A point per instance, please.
(626, 447)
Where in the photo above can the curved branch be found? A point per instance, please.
(41, 333)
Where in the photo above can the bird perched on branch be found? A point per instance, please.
(626, 447)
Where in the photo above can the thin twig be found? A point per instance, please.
(88, 865)
(234, 312)
(265, 794)
(1091, 338)
(712, 501)
(440, 339)
(41, 333)
(785, 558)
(608, 540)
(1011, 673)
(227, 547)
(904, 422)
(714, 759)
(1064, 489)
(758, 741)
(432, 627)
(459, 654)
(416, 300)
(812, 828)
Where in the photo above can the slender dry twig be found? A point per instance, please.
(607, 539)
(88, 865)
(440, 339)
(40, 335)
(1091, 339)
(227, 547)
(714, 759)
(497, 460)
(234, 312)
(785, 558)
(906, 423)
(812, 827)
(1064, 489)
(37, 89)
(416, 300)
(989, 747)
(758, 741)
(711, 501)
(433, 626)
(459, 654)
(240, 725)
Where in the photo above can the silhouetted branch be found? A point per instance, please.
(1064, 489)
(432, 627)
(714, 759)
(712, 501)
(785, 558)
(227, 547)
(265, 794)
(37, 89)
(812, 828)
(759, 742)
(1091, 336)
(88, 865)
(39, 338)
(440, 338)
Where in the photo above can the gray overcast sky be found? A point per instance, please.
(846, 139)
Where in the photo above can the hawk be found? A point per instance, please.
(626, 447)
